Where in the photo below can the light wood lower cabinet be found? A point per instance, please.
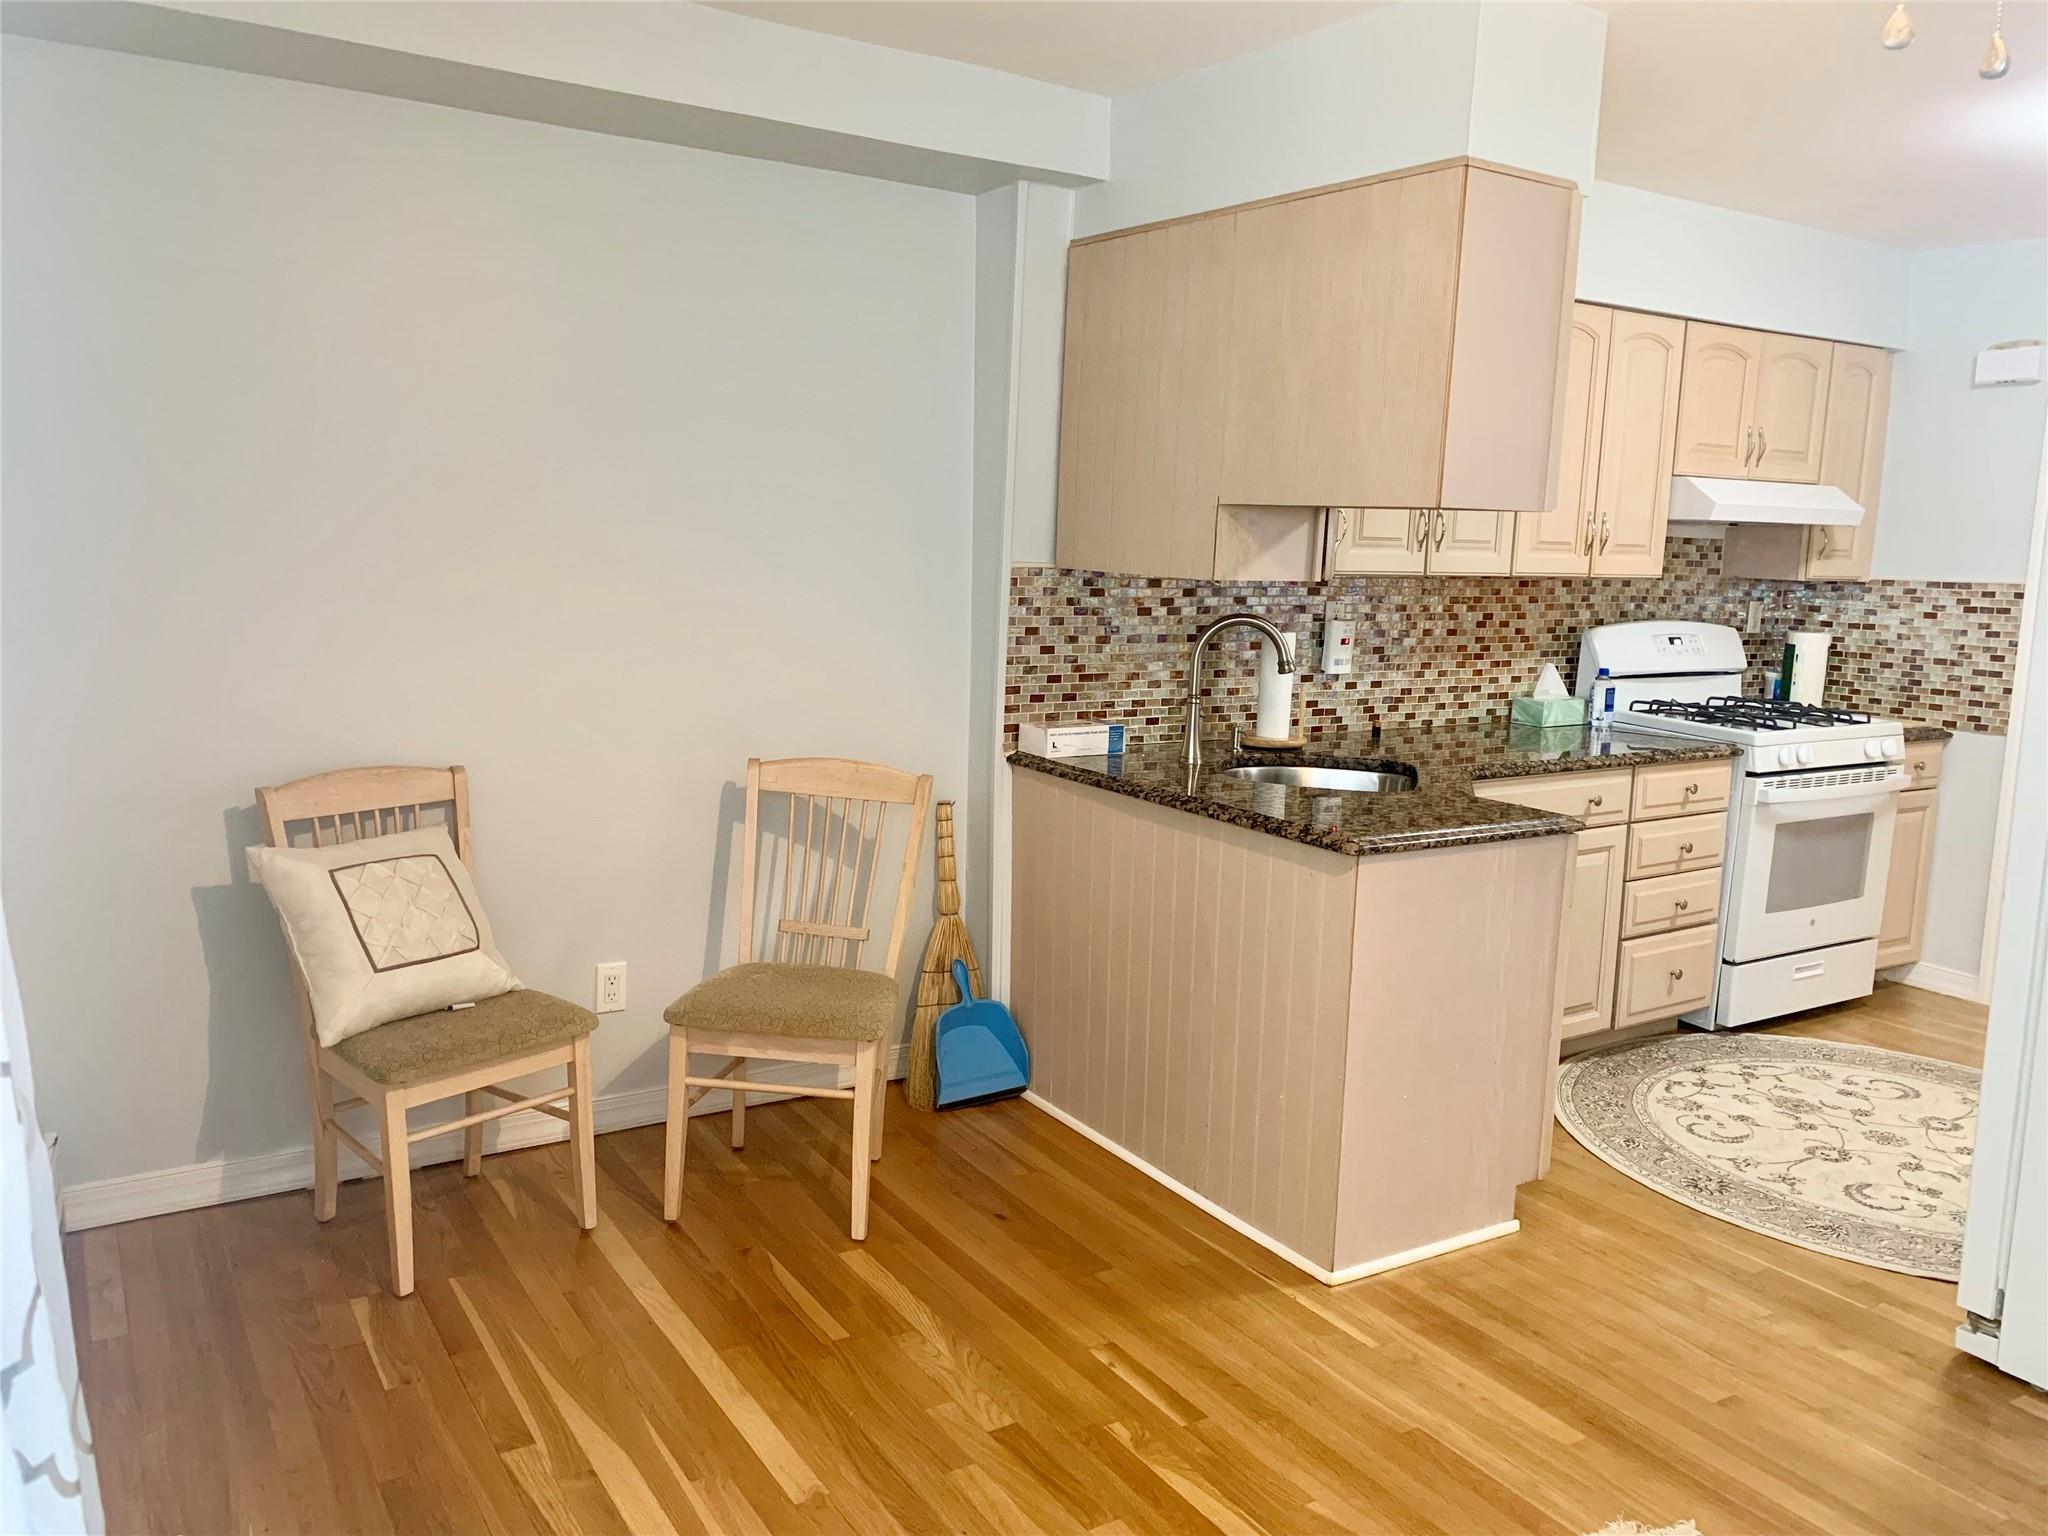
(1590, 932)
(1641, 930)
(1661, 977)
(1904, 925)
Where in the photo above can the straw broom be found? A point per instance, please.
(936, 992)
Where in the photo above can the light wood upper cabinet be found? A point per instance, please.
(1341, 325)
(1376, 541)
(1717, 401)
(1559, 542)
(1141, 423)
(1390, 343)
(1791, 408)
(1639, 438)
(1751, 404)
(1852, 457)
(1471, 543)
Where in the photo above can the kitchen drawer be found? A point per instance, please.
(1664, 975)
(1923, 764)
(1670, 902)
(1598, 799)
(1676, 845)
(1680, 789)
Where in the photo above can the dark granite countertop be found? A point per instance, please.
(1916, 731)
(1440, 812)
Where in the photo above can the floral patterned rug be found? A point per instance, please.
(1845, 1149)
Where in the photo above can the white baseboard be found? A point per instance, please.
(102, 1202)
(1939, 978)
(1272, 1245)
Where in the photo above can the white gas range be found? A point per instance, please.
(1809, 828)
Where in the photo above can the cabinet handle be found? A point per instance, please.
(1748, 445)
(1593, 802)
(1920, 766)
(1441, 523)
(1763, 445)
(1606, 532)
(1685, 848)
(1692, 789)
(1682, 904)
(1827, 539)
(1421, 531)
(1678, 974)
(1342, 519)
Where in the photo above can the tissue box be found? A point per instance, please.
(1548, 713)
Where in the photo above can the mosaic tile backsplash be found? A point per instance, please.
(1085, 645)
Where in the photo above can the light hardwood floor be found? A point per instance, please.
(1033, 1338)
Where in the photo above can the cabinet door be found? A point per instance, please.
(1592, 932)
(1465, 543)
(1557, 542)
(1717, 401)
(1340, 345)
(1791, 407)
(1517, 256)
(1632, 500)
(1141, 414)
(1376, 541)
(1852, 457)
(1904, 924)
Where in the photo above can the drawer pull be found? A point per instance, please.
(1593, 801)
(1682, 904)
(1685, 847)
(1678, 974)
(1920, 766)
(1692, 789)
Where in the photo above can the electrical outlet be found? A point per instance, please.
(611, 986)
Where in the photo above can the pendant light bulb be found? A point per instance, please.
(1898, 29)
(1996, 60)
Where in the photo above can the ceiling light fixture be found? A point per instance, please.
(1996, 60)
(1898, 29)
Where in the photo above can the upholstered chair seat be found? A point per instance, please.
(435, 1044)
(811, 1002)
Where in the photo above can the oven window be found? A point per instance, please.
(1819, 863)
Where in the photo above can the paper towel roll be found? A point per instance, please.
(1276, 691)
(1807, 669)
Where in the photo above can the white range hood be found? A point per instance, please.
(1704, 499)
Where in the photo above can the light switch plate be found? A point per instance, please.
(611, 987)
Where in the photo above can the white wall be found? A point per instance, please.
(1644, 250)
(1961, 462)
(342, 430)
(1536, 73)
(1390, 88)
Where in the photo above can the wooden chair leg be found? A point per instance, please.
(582, 1134)
(863, 1133)
(473, 1137)
(881, 1099)
(326, 1145)
(739, 1104)
(397, 1192)
(678, 1123)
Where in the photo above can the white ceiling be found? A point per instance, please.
(1792, 110)
(1787, 108)
(1104, 46)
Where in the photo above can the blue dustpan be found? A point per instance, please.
(981, 1056)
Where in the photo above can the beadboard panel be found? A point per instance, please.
(1185, 984)
(1460, 1015)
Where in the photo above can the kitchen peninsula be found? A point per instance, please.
(1327, 1017)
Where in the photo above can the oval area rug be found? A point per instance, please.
(1844, 1149)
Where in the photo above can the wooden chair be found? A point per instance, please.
(809, 1001)
(437, 1055)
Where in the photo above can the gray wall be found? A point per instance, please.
(339, 430)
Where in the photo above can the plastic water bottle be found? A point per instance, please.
(1602, 710)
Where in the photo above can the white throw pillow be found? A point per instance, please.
(382, 929)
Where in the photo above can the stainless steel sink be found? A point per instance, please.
(1305, 776)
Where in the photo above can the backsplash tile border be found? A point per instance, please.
(1088, 645)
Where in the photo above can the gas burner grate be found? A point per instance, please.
(1751, 714)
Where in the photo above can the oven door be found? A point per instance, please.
(1809, 856)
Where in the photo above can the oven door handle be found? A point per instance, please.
(1874, 790)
